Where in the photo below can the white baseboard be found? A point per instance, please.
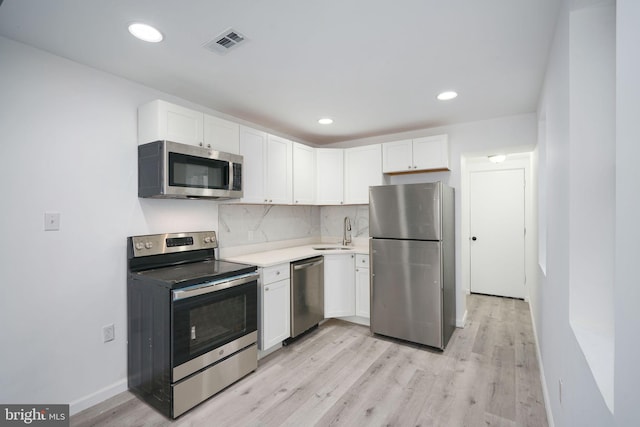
(461, 322)
(101, 395)
(543, 381)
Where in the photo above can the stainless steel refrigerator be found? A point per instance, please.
(413, 262)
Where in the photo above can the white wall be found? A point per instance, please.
(69, 146)
(592, 187)
(626, 286)
(512, 134)
(561, 159)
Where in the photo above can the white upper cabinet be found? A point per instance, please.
(411, 155)
(304, 174)
(363, 168)
(222, 135)
(253, 148)
(431, 152)
(267, 168)
(329, 176)
(161, 120)
(279, 167)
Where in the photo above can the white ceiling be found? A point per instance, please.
(374, 66)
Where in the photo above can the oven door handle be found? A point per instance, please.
(207, 288)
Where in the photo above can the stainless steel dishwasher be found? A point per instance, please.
(307, 295)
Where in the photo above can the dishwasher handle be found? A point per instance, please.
(307, 264)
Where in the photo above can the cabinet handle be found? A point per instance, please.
(266, 289)
(208, 145)
(409, 167)
(200, 144)
(270, 200)
(277, 273)
(265, 200)
(415, 167)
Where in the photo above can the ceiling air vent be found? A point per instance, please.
(226, 41)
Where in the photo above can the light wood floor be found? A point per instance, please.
(341, 375)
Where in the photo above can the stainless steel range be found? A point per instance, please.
(192, 320)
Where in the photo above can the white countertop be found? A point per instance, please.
(280, 256)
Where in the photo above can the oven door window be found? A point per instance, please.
(198, 172)
(206, 322)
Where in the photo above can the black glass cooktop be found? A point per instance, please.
(183, 275)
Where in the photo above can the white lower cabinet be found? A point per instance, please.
(274, 306)
(339, 286)
(362, 286)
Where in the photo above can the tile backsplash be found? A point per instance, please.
(240, 225)
(332, 220)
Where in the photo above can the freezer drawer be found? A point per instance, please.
(406, 290)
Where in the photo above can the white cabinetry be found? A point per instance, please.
(253, 147)
(304, 174)
(279, 167)
(339, 286)
(161, 120)
(362, 286)
(363, 168)
(267, 169)
(411, 155)
(330, 176)
(221, 134)
(274, 306)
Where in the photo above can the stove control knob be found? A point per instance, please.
(148, 245)
(207, 239)
(139, 246)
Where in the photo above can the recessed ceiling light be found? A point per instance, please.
(325, 121)
(497, 158)
(145, 32)
(446, 96)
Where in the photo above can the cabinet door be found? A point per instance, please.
(329, 176)
(339, 286)
(362, 292)
(221, 135)
(431, 152)
(363, 168)
(276, 312)
(304, 174)
(279, 169)
(253, 146)
(397, 156)
(160, 120)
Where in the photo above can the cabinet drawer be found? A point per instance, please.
(275, 273)
(362, 261)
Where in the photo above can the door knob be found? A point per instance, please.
(474, 238)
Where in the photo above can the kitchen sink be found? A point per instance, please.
(332, 248)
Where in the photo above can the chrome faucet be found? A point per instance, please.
(346, 240)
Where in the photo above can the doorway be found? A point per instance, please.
(472, 167)
(497, 228)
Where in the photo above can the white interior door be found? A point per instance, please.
(497, 226)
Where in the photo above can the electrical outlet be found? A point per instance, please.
(51, 221)
(109, 333)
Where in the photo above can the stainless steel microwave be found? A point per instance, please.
(171, 170)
